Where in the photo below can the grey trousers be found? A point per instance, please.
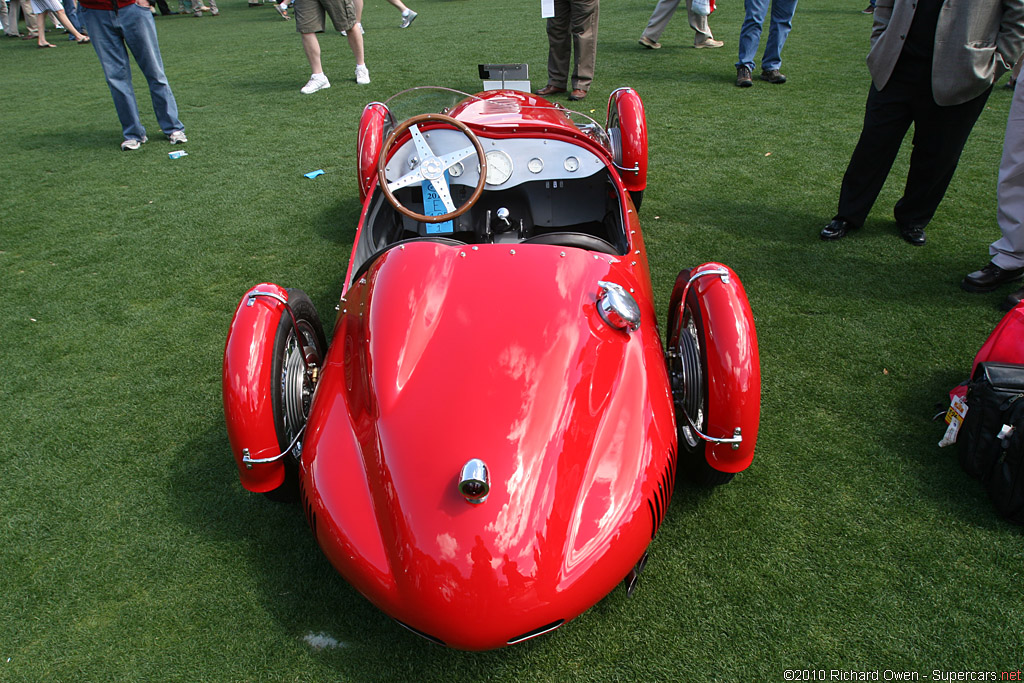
(574, 27)
(663, 12)
(23, 7)
(1008, 251)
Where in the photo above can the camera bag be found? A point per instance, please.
(991, 440)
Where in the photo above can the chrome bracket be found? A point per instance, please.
(295, 445)
(635, 170)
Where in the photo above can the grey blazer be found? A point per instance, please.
(976, 42)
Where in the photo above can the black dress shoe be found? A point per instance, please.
(837, 229)
(990, 277)
(1013, 299)
(914, 234)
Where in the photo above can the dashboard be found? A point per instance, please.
(510, 162)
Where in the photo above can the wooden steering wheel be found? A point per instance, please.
(431, 167)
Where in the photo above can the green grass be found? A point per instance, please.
(128, 550)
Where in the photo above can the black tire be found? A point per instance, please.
(688, 375)
(638, 198)
(291, 386)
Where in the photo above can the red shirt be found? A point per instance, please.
(105, 4)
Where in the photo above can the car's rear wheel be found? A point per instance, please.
(292, 383)
(688, 374)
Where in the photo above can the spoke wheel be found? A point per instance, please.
(293, 383)
(687, 367)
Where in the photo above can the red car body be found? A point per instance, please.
(529, 348)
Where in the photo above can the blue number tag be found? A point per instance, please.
(433, 206)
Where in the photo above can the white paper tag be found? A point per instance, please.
(547, 9)
(955, 417)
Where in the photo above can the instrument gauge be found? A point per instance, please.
(571, 164)
(456, 169)
(499, 167)
(536, 165)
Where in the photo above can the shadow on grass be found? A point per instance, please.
(280, 563)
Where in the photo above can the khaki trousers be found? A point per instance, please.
(572, 29)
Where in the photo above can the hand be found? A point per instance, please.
(143, 4)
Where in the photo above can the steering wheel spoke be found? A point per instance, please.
(449, 160)
(407, 180)
(441, 187)
(422, 148)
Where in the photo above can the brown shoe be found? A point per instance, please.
(744, 79)
(577, 95)
(550, 90)
(773, 76)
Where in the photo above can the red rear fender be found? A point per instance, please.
(246, 386)
(628, 124)
(733, 365)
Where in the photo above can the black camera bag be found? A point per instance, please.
(991, 440)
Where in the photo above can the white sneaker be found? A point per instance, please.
(362, 75)
(362, 31)
(408, 16)
(316, 82)
(177, 136)
(132, 143)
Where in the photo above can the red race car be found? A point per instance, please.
(489, 444)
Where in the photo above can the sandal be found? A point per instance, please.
(83, 40)
(42, 45)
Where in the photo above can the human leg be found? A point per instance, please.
(778, 30)
(699, 23)
(71, 10)
(660, 17)
(41, 33)
(584, 42)
(750, 32)
(559, 44)
(140, 36)
(107, 39)
(940, 134)
(63, 17)
(887, 117)
(311, 46)
(1008, 251)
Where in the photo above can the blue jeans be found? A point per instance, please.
(71, 9)
(112, 35)
(750, 33)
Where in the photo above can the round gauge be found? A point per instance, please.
(535, 165)
(456, 169)
(499, 167)
(571, 164)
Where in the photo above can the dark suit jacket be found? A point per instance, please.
(976, 41)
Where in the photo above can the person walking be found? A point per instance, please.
(310, 19)
(115, 27)
(572, 32)
(781, 23)
(658, 22)
(932, 64)
(55, 9)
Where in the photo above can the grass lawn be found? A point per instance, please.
(128, 550)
